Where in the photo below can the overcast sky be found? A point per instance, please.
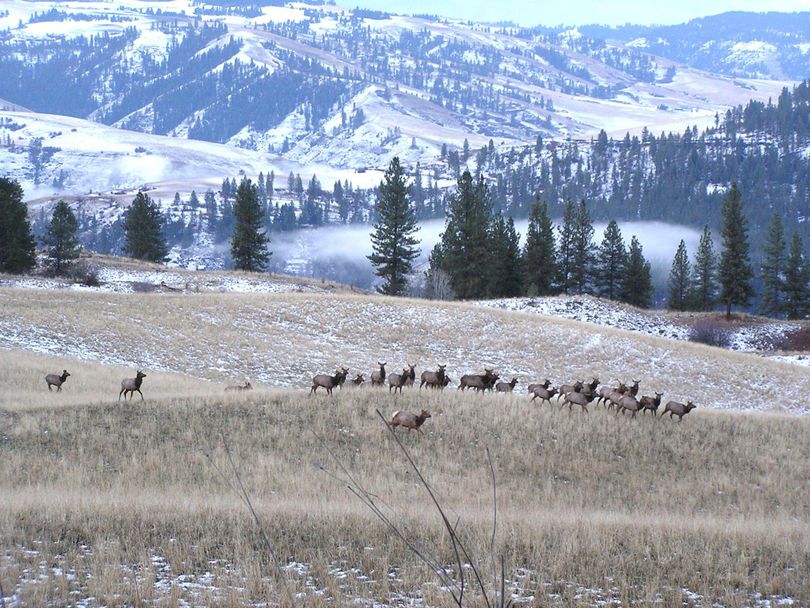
(578, 12)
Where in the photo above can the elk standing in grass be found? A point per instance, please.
(378, 377)
(359, 379)
(56, 380)
(651, 403)
(479, 382)
(397, 381)
(247, 386)
(410, 377)
(576, 387)
(578, 398)
(328, 382)
(535, 385)
(678, 409)
(506, 387)
(131, 385)
(409, 420)
(434, 379)
(545, 394)
(628, 403)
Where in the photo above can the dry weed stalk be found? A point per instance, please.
(464, 556)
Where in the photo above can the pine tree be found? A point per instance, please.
(211, 210)
(394, 247)
(796, 303)
(248, 242)
(734, 271)
(540, 254)
(193, 200)
(565, 249)
(679, 280)
(61, 239)
(773, 268)
(506, 269)
(143, 229)
(610, 261)
(582, 249)
(17, 247)
(703, 293)
(637, 286)
(465, 240)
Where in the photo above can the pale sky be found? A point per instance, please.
(579, 12)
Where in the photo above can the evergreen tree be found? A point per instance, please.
(342, 201)
(249, 242)
(703, 292)
(679, 280)
(797, 281)
(637, 286)
(394, 247)
(465, 240)
(773, 268)
(143, 229)
(61, 239)
(582, 249)
(540, 252)
(610, 261)
(211, 210)
(17, 247)
(734, 271)
(507, 266)
(565, 250)
(193, 200)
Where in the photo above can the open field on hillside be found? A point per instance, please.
(284, 339)
(112, 504)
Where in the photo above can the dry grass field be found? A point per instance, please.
(108, 504)
(284, 339)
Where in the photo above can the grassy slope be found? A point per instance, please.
(284, 339)
(717, 505)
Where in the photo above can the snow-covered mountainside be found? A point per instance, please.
(323, 85)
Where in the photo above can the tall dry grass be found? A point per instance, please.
(638, 509)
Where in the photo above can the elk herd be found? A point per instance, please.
(621, 398)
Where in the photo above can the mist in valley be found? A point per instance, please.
(339, 252)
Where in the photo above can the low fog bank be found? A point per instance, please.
(339, 252)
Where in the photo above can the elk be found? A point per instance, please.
(329, 382)
(629, 403)
(578, 398)
(247, 386)
(56, 380)
(545, 394)
(678, 409)
(130, 385)
(651, 403)
(506, 387)
(410, 377)
(535, 385)
(570, 388)
(409, 420)
(634, 389)
(615, 397)
(358, 380)
(378, 377)
(479, 382)
(434, 379)
(605, 391)
(397, 381)
(590, 389)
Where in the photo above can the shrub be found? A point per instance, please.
(712, 332)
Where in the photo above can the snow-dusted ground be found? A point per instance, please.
(748, 338)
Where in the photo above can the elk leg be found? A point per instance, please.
(59, 389)
(141, 394)
(119, 394)
(49, 387)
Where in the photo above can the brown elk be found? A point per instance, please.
(56, 380)
(479, 382)
(578, 398)
(534, 385)
(329, 382)
(397, 381)
(409, 420)
(590, 388)
(130, 385)
(570, 388)
(410, 377)
(651, 403)
(434, 379)
(358, 380)
(678, 409)
(545, 394)
(628, 403)
(506, 387)
(605, 391)
(378, 377)
(247, 386)
(634, 388)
